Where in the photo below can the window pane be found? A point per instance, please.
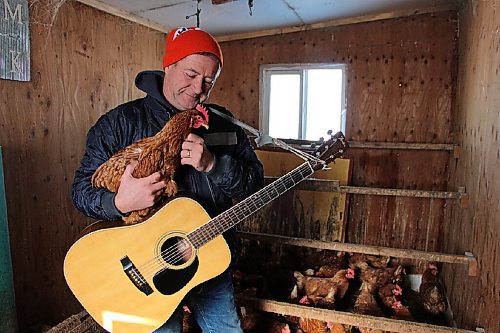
(324, 104)
(284, 106)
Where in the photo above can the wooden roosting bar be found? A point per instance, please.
(386, 324)
(313, 184)
(466, 259)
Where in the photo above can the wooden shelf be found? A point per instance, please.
(403, 145)
(305, 145)
(466, 259)
(314, 184)
(385, 324)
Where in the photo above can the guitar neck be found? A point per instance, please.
(234, 215)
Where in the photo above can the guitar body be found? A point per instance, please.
(130, 279)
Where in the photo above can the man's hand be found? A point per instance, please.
(137, 193)
(195, 153)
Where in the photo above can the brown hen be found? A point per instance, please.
(324, 258)
(389, 294)
(432, 293)
(324, 291)
(377, 278)
(374, 261)
(367, 305)
(160, 152)
(308, 325)
(402, 312)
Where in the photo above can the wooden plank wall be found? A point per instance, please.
(83, 66)
(401, 84)
(400, 88)
(477, 229)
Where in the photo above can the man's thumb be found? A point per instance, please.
(131, 166)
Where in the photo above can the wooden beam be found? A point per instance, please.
(322, 185)
(113, 10)
(305, 145)
(338, 22)
(467, 259)
(347, 318)
(402, 145)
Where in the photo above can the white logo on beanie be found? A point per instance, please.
(180, 31)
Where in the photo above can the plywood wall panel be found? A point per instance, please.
(400, 74)
(477, 229)
(400, 87)
(82, 65)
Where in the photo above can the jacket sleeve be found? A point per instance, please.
(238, 175)
(94, 202)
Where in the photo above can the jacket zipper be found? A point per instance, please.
(211, 192)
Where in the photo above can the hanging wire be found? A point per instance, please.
(197, 14)
(250, 5)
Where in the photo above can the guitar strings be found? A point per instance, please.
(173, 254)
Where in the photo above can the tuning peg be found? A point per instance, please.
(313, 145)
(329, 132)
(322, 139)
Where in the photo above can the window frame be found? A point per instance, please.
(265, 72)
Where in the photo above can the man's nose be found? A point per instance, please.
(198, 85)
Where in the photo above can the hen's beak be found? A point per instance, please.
(205, 125)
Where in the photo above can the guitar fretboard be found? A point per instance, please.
(250, 205)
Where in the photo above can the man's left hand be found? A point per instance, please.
(195, 153)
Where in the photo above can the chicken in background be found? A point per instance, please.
(366, 304)
(321, 258)
(337, 328)
(372, 260)
(308, 325)
(254, 321)
(402, 312)
(160, 152)
(379, 277)
(432, 293)
(389, 294)
(323, 291)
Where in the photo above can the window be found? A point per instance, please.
(302, 101)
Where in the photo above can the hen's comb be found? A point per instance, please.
(397, 305)
(203, 110)
(397, 290)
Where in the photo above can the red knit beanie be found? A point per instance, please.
(182, 42)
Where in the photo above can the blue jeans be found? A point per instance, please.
(212, 305)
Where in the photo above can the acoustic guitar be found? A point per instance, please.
(130, 279)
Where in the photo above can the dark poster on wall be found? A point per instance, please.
(14, 40)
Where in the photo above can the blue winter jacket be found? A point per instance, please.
(237, 173)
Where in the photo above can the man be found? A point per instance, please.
(217, 167)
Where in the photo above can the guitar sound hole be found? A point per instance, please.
(176, 251)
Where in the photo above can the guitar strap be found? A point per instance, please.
(261, 139)
(264, 139)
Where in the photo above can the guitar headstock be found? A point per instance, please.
(331, 149)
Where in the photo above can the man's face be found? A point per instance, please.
(189, 81)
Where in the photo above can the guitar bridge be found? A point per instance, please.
(135, 276)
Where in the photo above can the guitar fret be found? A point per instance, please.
(248, 206)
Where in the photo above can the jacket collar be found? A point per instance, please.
(151, 82)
